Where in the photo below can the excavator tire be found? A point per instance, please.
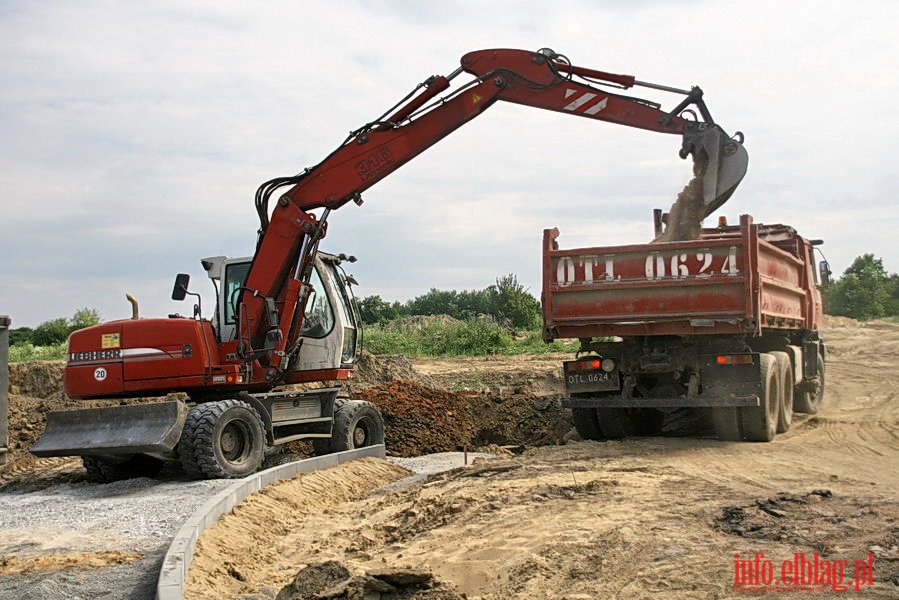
(222, 440)
(357, 424)
(106, 470)
(760, 422)
(322, 446)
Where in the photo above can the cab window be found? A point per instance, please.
(235, 275)
(319, 318)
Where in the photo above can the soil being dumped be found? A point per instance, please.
(684, 218)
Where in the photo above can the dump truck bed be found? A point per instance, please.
(733, 280)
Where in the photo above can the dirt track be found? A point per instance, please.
(650, 517)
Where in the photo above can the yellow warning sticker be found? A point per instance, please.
(475, 98)
(110, 340)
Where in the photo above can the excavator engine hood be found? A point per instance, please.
(720, 160)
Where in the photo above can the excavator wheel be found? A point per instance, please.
(222, 440)
(357, 424)
(101, 469)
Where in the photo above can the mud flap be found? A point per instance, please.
(726, 166)
(152, 429)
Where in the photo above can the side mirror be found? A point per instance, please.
(179, 292)
(824, 272)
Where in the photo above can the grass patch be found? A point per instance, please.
(447, 337)
(27, 352)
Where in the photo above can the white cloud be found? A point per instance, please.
(135, 134)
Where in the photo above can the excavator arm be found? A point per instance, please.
(272, 302)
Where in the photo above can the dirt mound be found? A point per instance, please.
(37, 379)
(332, 580)
(422, 419)
(372, 370)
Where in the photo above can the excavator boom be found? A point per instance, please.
(543, 79)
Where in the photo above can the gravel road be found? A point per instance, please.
(137, 515)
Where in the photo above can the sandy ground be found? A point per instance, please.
(638, 518)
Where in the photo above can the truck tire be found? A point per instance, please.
(809, 402)
(586, 423)
(785, 377)
(727, 423)
(357, 424)
(100, 469)
(760, 422)
(222, 440)
(615, 423)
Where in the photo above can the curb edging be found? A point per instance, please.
(170, 585)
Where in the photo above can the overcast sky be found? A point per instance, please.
(133, 135)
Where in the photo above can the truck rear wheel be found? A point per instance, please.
(785, 378)
(809, 402)
(586, 423)
(222, 440)
(615, 423)
(101, 469)
(727, 424)
(760, 422)
(357, 424)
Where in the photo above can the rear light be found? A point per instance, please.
(734, 359)
(594, 364)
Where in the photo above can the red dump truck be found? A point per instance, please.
(725, 328)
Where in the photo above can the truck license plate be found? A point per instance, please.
(578, 379)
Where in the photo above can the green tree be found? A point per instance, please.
(20, 335)
(375, 310)
(50, 333)
(84, 317)
(512, 302)
(56, 331)
(865, 291)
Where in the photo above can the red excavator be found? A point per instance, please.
(286, 316)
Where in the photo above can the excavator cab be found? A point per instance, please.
(330, 319)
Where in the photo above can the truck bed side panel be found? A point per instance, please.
(730, 283)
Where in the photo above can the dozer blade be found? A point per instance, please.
(129, 429)
(724, 160)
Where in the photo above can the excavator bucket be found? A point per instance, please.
(723, 158)
(152, 429)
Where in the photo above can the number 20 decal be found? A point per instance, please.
(676, 266)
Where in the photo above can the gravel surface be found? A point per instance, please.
(140, 515)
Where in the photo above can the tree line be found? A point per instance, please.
(507, 301)
(865, 291)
